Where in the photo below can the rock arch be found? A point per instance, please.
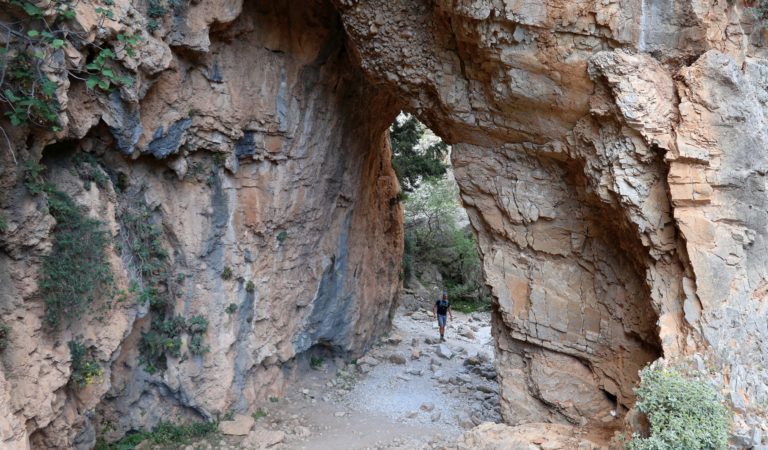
(613, 169)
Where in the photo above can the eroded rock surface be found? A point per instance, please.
(610, 155)
(599, 148)
(265, 168)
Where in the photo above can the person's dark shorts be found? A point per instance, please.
(441, 320)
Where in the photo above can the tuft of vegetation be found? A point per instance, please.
(5, 336)
(282, 236)
(274, 399)
(231, 308)
(250, 287)
(414, 159)
(85, 369)
(33, 177)
(77, 270)
(36, 37)
(226, 274)
(164, 434)
(3, 225)
(89, 170)
(164, 337)
(259, 414)
(683, 413)
(197, 327)
(316, 362)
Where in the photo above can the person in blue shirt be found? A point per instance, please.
(441, 311)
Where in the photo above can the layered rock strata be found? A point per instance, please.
(610, 158)
(255, 155)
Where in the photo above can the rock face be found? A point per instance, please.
(265, 168)
(611, 157)
(601, 151)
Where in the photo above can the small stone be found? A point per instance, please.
(412, 414)
(239, 426)
(368, 359)
(427, 406)
(464, 421)
(339, 414)
(444, 351)
(397, 358)
(435, 416)
(415, 353)
(262, 438)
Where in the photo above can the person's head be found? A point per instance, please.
(445, 295)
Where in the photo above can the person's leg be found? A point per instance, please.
(441, 325)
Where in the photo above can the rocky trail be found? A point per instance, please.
(409, 392)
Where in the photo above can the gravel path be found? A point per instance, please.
(402, 395)
(409, 392)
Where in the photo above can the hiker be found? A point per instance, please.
(441, 308)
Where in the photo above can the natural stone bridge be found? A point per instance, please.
(611, 157)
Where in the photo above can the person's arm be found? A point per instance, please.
(450, 312)
(434, 310)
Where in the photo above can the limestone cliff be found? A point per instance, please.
(610, 155)
(253, 151)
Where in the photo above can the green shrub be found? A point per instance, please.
(85, 369)
(164, 434)
(77, 269)
(274, 399)
(3, 225)
(197, 327)
(231, 308)
(259, 414)
(89, 170)
(226, 274)
(33, 177)
(250, 287)
(316, 362)
(683, 413)
(37, 41)
(282, 236)
(5, 336)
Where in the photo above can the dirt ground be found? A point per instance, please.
(410, 391)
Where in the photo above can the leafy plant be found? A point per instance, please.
(101, 71)
(89, 170)
(33, 51)
(250, 287)
(231, 308)
(226, 274)
(33, 177)
(414, 159)
(165, 433)
(316, 362)
(77, 270)
(3, 225)
(274, 399)
(282, 236)
(85, 369)
(259, 414)
(683, 413)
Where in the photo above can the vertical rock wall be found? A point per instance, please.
(255, 149)
(601, 152)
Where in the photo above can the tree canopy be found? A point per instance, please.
(414, 160)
